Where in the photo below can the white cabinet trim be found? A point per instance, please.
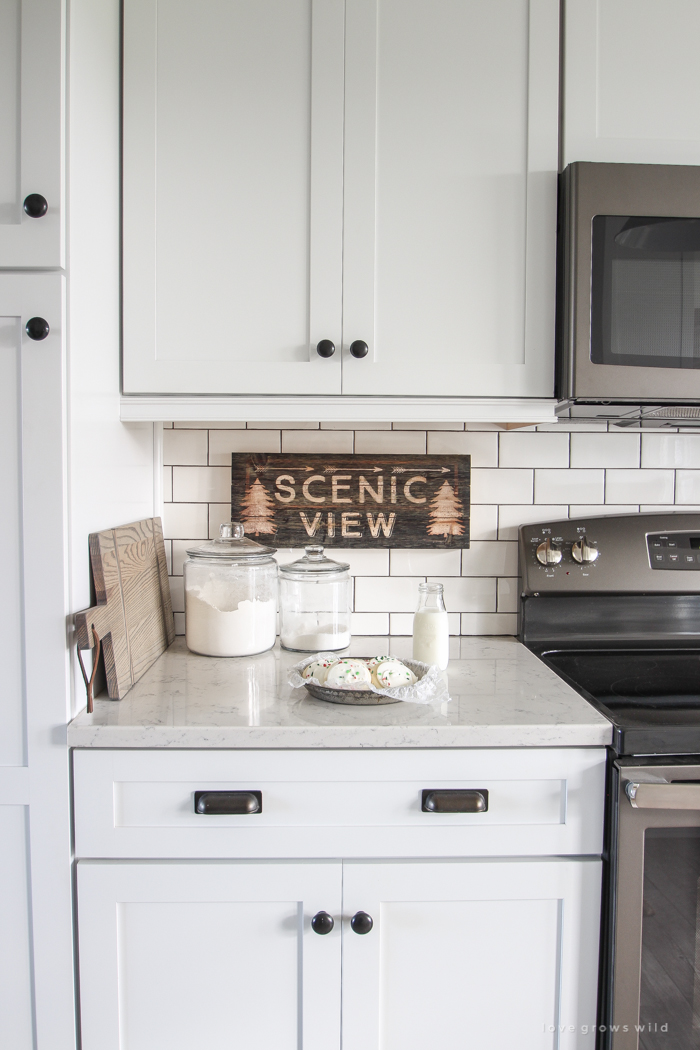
(262, 408)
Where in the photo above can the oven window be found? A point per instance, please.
(669, 1009)
(645, 291)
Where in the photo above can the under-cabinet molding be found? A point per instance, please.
(307, 408)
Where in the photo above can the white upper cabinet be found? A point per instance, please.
(31, 133)
(632, 81)
(378, 172)
(451, 118)
(233, 172)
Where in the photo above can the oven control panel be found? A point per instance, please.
(613, 554)
(674, 550)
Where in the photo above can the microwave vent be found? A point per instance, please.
(673, 412)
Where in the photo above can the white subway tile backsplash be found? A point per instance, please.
(483, 522)
(183, 521)
(670, 508)
(605, 450)
(425, 562)
(472, 594)
(223, 442)
(362, 562)
(508, 593)
(510, 518)
(671, 450)
(179, 554)
(386, 593)
(317, 441)
(184, 447)
(369, 623)
(517, 449)
(565, 486)
(394, 442)
(490, 559)
(489, 623)
(483, 448)
(177, 594)
(501, 486)
(639, 486)
(532, 465)
(427, 426)
(201, 484)
(687, 486)
(596, 511)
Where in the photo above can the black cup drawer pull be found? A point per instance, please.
(455, 800)
(241, 802)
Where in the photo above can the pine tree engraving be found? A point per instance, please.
(447, 513)
(258, 514)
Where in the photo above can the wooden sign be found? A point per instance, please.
(352, 501)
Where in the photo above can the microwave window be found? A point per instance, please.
(645, 291)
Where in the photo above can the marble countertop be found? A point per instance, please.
(502, 696)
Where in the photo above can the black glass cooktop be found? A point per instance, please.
(652, 697)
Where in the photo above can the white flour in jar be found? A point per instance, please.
(216, 625)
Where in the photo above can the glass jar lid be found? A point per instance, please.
(314, 563)
(232, 545)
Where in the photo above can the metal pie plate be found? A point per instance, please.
(356, 697)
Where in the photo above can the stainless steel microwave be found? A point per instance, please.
(629, 286)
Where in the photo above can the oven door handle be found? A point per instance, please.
(663, 796)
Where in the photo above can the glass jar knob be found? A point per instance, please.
(231, 530)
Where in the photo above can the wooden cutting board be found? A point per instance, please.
(133, 615)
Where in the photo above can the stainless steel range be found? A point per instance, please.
(613, 606)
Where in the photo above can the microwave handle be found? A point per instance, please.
(663, 796)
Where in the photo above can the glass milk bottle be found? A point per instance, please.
(431, 629)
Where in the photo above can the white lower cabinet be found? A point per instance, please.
(468, 942)
(220, 955)
(208, 955)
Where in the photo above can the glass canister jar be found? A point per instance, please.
(314, 603)
(230, 595)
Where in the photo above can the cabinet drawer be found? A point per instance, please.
(338, 803)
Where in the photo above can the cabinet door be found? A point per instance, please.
(471, 954)
(215, 955)
(451, 125)
(31, 132)
(233, 124)
(631, 82)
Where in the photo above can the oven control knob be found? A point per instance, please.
(548, 554)
(583, 553)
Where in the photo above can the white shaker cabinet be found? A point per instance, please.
(378, 174)
(223, 954)
(215, 955)
(233, 177)
(31, 133)
(632, 81)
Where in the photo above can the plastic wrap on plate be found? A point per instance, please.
(431, 687)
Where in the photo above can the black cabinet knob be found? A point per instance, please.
(325, 348)
(322, 923)
(359, 348)
(361, 922)
(35, 205)
(37, 328)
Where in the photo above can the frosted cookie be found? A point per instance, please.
(317, 669)
(377, 660)
(348, 674)
(391, 673)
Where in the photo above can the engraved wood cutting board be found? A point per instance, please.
(133, 614)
